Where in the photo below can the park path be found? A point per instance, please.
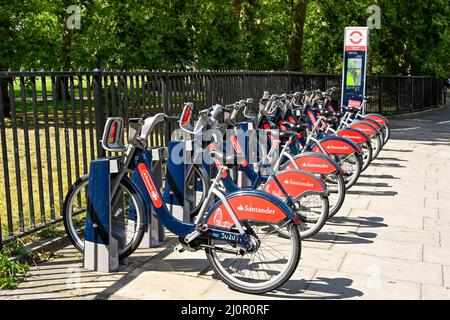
(391, 240)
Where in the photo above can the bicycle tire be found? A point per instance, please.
(69, 227)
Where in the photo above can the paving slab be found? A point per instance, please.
(390, 240)
(433, 292)
(393, 268)
(339, 285)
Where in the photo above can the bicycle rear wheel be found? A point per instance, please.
(336, 185)
(351, 164)
(367, 154)
(263, 269)
(387, 133)
(376, 141)
(313, 211)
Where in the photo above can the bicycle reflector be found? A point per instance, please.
(112, 135)
(186, 115)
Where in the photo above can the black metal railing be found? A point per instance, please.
(51, 122)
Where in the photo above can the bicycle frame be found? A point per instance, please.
(138, 158)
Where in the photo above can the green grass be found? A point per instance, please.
(21, 186)
(69, 135)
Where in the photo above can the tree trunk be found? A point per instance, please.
(5, 103)
(66, 58)
(295, 48)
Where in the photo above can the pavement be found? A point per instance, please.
(391, 240)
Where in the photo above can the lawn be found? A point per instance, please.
(77, 147)
(64, 150)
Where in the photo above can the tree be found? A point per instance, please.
(295, 51)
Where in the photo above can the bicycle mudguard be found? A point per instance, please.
(364, 127)
(354, 135)
(377, 117)
(372, 122)
(252, 205)
(337, 145)
(295, 183)
(314, 162)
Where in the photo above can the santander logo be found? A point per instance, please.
(248, 208)
(217, 219)
(298, 183)
(331, 147)
(145, 175)
(315, 165)
(352, 137)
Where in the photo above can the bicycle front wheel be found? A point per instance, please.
(263, 269)
(127, 211)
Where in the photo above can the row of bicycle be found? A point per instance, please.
(297, 154)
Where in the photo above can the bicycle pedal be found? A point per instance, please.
(179, 248)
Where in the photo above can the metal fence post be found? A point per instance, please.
(99, 114)
(288, 82)
(380, 108)
(411, 106)
(444, 96)
(209, 93)
(423, 94)
(398, 94)
(5, 170)
(241, 85)
(165, 93)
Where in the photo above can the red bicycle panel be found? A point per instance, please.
(294, 182)
(379, 119)
(335, 147)
(371, 122)
(352, 135)
(364, 127)
(312, 164)
(246, 208)
(151, 188)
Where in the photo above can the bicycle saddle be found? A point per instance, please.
(286, 135)
(293, 126)
(228, 160)
(330, 119)
(327, 113)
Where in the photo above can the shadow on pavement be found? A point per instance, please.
(327, 288)
(391, 159)
(367, 222)
(338, 238)
(371, 184)
(398, 150)
(390, 165)
(374, 193)
(379, 176)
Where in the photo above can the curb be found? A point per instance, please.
(423, 112)
(51, 245)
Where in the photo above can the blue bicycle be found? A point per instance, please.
(239, 232)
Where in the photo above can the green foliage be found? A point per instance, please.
(229, 34)
(18, 248)
(10, 271)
